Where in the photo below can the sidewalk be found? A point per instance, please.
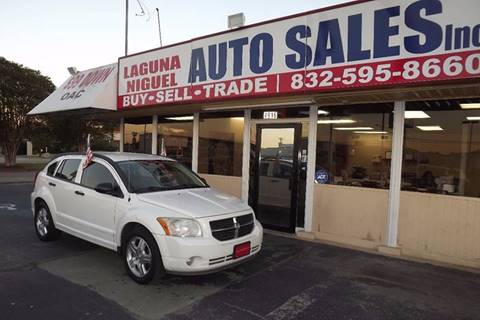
(24, 171)
(30, 159)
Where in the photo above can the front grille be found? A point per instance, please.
(227, 229)
(214, 261)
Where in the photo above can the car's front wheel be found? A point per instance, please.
(44, 225)
(141, 256)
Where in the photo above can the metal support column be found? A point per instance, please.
(122, 135)
(246, 154)
(310, 184)
(195, 138)
(395, 173)
(155, 134)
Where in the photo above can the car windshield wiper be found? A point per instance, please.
(150, 189)
(192, 186)
(157, 188)
(186, 186)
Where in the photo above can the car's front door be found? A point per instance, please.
(93, 210)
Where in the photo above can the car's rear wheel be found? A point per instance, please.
(141, 256)
(44, 225)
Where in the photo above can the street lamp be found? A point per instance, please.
(126, 27)
(159, 27)
(72, 70)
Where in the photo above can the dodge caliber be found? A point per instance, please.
(160, 215)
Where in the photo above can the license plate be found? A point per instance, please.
(241, 250)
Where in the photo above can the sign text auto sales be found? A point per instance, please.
(366, 44)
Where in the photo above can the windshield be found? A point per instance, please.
(144, 176)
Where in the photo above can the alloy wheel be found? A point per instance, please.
(42, 222)
(139, 257)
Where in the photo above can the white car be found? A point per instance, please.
(160, 215)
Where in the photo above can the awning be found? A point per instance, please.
(90, 89)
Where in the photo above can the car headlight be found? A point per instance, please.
(178, 227)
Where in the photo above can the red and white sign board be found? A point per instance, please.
(359, 45)
(93, 88)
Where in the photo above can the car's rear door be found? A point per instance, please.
(94, 212)
(50, 183)
(62, 187)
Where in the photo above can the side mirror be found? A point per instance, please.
(108, 188)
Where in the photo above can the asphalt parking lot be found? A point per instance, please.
(290, 279)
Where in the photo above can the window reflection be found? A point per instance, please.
(354, 145)
(221, 144)
(138, 135)
(442, 148)
(175, 138)
(106, 135)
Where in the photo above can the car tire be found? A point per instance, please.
(141, 256)
(43, 222)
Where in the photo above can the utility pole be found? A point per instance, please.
(126, 27)
(159, 27)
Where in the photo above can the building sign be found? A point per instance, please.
(270, 115)
(93, 88)
(364, 44)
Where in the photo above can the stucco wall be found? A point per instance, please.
(439, 227)
(350, 215)
(433, 227)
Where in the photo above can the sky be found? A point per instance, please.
(51, 35)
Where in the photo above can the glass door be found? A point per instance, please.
(276, 175)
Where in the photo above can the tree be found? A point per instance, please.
(21, 89)
(67, 132)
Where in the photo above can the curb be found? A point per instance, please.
(16, 182)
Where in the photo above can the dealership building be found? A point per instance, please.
(357, 124)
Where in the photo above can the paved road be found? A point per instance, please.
(290, 279)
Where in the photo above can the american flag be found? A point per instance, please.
(89, 154)
(163, 150)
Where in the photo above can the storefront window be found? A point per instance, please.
(221, 144)
(175, 138)
(138, 135)
(106, 135)
(354, 145)
(442, 147)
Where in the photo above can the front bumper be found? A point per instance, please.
(204, 254)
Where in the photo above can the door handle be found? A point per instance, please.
(52, 184)
(80, 193)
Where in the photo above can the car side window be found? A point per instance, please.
(97, 174)
(51, 169)
(68, 170)
(285, 171)
(264, 168)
